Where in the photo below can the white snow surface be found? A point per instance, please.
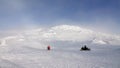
(28, 49)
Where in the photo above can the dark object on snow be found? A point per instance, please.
(85, 48)
(48, 48)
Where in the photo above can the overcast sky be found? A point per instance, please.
(97, 14)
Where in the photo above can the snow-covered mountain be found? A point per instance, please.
(62, 33)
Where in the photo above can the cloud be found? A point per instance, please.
(62, 33)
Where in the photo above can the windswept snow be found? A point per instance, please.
(28, 49)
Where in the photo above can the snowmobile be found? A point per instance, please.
(85, 48)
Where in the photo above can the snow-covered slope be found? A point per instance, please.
(27, 49)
